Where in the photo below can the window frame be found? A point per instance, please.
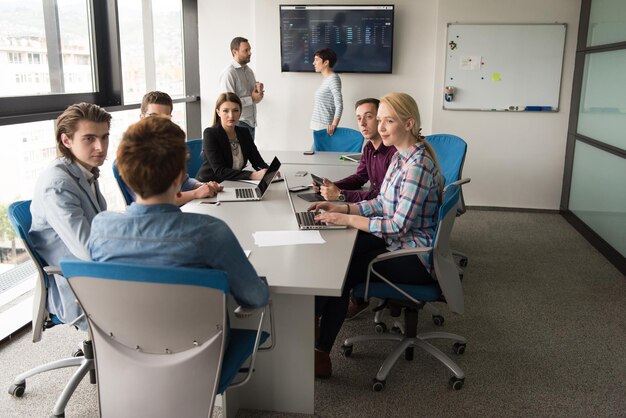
(582, 51)
(108, 70)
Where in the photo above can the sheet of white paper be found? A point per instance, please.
(470, 62)
(277, 238)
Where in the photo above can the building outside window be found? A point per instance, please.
(36, 61)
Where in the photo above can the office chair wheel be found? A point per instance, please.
(346, 350)
(378, 385)
(58, 416)
(17, 390)
(380, 328)
(459, 348)
(456, 383)
(78, 353)
(438, 320)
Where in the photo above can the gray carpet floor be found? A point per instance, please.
(545, 321)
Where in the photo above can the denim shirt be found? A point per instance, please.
(163, 235)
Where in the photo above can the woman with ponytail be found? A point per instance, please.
(403, 215)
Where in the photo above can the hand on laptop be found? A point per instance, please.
(258, 175)
(325, 206)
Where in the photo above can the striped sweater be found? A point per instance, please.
(328, 103)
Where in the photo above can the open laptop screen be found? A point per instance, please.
(269, 175)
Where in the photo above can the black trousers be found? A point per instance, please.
(333, 309)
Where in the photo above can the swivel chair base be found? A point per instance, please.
(407, 343)
(85, 365)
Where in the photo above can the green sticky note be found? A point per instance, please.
(496, 77)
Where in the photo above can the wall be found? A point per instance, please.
(515, 160)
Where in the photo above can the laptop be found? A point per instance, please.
(306, 219)
(245, 194)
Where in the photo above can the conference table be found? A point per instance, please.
(283, 380)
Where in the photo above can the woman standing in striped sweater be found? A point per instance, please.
(328, 104)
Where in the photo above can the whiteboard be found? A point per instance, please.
(504, 67)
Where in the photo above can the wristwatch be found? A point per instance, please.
(341, 197)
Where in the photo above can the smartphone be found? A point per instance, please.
(309, 152)
(298, 188)
(319, 181)
(301, 173)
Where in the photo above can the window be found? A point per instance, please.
(157, 23)
(34, 58)
(593, 198)
(47, 60)
(15, 58)
(35, 40)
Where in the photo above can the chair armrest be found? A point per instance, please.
(390, 255)
(401, 253)
(241, 312)
(52, 270)
(457, 183)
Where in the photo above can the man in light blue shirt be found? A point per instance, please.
(238, 78)
(154, 231)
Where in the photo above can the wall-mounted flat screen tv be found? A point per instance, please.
(362, 37)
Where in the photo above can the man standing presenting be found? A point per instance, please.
(374, 161)
(238, 78)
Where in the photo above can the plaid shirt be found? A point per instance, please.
(405, 212)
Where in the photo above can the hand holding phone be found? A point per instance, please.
(317, 180)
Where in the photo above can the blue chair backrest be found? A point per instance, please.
(195, 157)
(21, 220)
(215, 279)
(343, 140)
(122, 185)
(450, 151)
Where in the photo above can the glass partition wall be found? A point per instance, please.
(594, 194)
(57, 52)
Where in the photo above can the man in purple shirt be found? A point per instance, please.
(373, 165)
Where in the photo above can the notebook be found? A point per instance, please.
(306, 219)
(243, 194)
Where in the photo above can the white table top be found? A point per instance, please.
(309, 269)
(319, 158)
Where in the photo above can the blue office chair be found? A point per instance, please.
(128, 198)
(343, 140)
(160, 335)
(195, 156)
(451, 150)
(21, 219)
(412, 298)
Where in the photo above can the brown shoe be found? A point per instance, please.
(323, 366)
(355, 308)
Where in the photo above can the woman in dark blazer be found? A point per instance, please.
(227, 148)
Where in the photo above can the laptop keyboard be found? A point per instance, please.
(245, 193)
(307, 218)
